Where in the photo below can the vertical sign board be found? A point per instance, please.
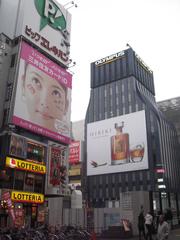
(43, 96)
(47, 24)
(55, 166)
(75, 152)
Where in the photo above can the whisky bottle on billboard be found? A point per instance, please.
(119, 146)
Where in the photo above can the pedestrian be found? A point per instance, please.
(141, 225)
(148, 224)
(163, 229)
(157, 219)
(168, 217)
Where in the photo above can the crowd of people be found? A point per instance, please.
(159, 225)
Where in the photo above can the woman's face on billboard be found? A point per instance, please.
(45, 97)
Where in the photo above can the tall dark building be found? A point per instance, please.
(122, 85)
(171, 109)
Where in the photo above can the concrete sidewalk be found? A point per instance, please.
(174, 235)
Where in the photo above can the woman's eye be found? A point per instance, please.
(36, 82)
(56, 93)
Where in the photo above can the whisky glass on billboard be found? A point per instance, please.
(119, 146)
(137, 152)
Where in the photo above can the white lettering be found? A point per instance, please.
(109, 58)
(49, 8)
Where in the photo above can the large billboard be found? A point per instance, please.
(46, 23)
(43, 96)
(117, 144)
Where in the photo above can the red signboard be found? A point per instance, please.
(55, 166)
(75, 152)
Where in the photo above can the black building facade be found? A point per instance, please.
(121, 84)
(171, 109)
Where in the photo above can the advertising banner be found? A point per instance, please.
(18, 146)
(75, 152)
(19, 221)
(47, 24)
(6, 196)
(55, 166)
(117, 144)
(43, 96)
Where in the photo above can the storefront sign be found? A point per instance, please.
(24, 165)
(27, 197)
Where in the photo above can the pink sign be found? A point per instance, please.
(40, 130)
(43, 96)
(74, 152)
(38, 60)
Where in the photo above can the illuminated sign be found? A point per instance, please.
(110, 58)
(27, 197)
(160, 170)
(161, 186)
(74, 172)
(160, 180)
(24, 165)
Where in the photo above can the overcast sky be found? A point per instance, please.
(102, 27)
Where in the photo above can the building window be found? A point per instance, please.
(123, 88)
(7, 41)
(19, 180)
(123, 99)
(38, 184)
(9, 92)
(29, 182)
(35, 152)
(116, 89)
(110, 90)
(13, 60)
(130, 109)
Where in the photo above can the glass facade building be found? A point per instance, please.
(122, 84)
